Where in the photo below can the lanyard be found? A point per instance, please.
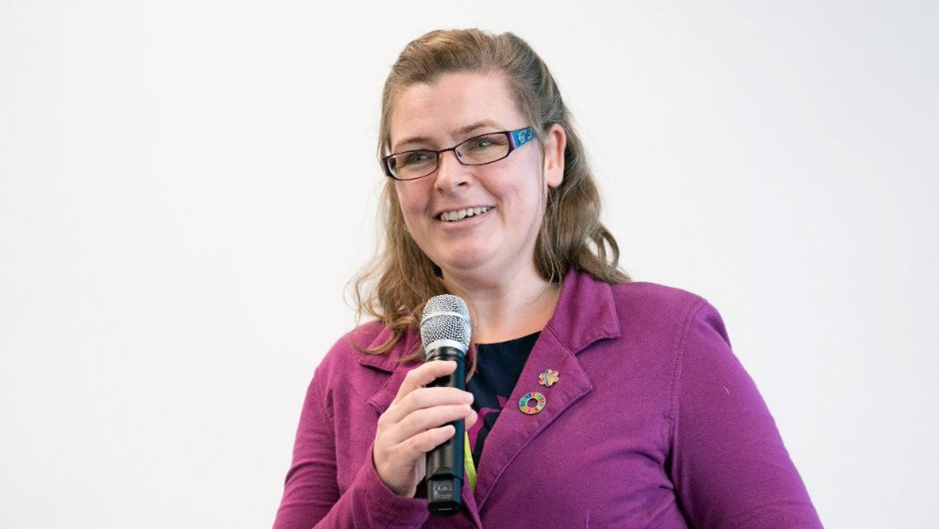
(468, 464)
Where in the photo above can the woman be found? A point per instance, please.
(639, 414)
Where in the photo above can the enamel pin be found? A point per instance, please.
(531, 403)
(548, 377)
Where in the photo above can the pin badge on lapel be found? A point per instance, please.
(531, 403)
(548, 377)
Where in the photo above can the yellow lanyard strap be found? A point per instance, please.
(468, 464)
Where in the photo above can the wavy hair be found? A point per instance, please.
(395, 286)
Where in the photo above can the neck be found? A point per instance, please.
(506, 308)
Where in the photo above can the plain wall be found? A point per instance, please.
(187, 186)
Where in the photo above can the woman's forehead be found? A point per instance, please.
(452, 106)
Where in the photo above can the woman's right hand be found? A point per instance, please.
(416, 422)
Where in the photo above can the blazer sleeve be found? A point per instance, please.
(729, 465)
(312, 497)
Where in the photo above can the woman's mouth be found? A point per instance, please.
(460, 214)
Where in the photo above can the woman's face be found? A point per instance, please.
(496, 245)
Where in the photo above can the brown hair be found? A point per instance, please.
(396, 285)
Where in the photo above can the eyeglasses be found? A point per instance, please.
(478, 150)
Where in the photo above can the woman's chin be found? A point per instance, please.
(480, 272)
(468, 267)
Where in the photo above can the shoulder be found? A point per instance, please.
(647, 312)
(684, 332)
(660, 308)
(648, 301)
(687, 328)
(581, 290)
(653, 296)
(633, 304)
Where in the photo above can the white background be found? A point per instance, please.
(186, 187)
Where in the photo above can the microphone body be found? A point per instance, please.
(445, 334)
(445, 462)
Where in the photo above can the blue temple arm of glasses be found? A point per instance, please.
(522, 136)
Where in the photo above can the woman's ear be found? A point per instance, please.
(554, 143)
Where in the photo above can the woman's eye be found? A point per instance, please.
(416, 157)
(481, 143)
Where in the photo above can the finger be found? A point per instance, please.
(471, 420)
(429, 418)
(424, 442)
(423, 375)
(436, 396)
(425, 398)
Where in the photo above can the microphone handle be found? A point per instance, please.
(445, 462)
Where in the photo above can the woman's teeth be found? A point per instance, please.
(460, 214)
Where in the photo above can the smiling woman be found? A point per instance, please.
(492, 251)
(595, 400)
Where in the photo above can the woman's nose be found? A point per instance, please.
(450, 172)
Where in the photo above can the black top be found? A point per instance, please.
(497, 370)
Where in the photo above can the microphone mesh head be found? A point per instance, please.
(445, 317)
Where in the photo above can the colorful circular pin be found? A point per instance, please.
(548, 377)
(531, 403)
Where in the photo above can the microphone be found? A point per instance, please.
(445, 333)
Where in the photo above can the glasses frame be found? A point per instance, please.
(517, 138)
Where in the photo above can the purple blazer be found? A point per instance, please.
(653, 423)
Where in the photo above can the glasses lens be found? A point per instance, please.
(484, 149)
(413, 164)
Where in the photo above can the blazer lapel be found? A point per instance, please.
(585, 314)
(514, 430)
(390, 363)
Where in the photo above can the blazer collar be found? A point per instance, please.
(585, 312)
(391, 360)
